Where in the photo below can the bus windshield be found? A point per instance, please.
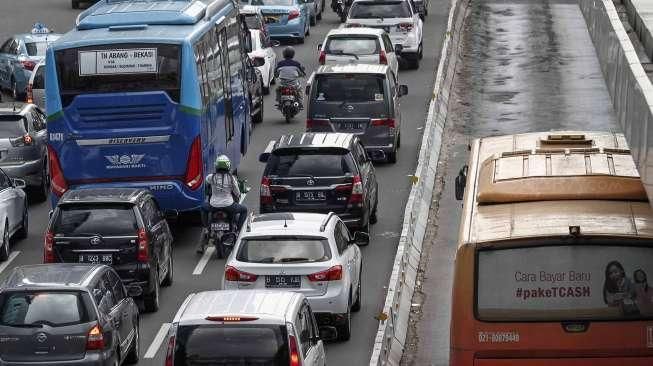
(118, 68)
(578, 282)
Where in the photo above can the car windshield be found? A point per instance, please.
(36, 48)
(86, 220)
(12, 126)
(352, 45)
(252, 21)
(273, 2)
(238, 344)
(349, 88)
(284, 250)
(301, 163)
(39, 308)
(386, 9)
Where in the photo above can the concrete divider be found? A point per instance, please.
(630, 88)
(393, 326)
(640, 16)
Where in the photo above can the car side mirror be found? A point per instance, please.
(19, 183)
(360, 238)
(403, 90)
(398, 48)
(258, 61)
(461, 182)
(319, 46)
(328, 333)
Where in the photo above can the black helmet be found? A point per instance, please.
(288, 52)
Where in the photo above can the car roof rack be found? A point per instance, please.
(326, 221)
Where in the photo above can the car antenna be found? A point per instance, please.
(285, 224)
(14, 106)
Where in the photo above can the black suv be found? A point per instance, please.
(320, 172)
(65, 314)
(120, 227)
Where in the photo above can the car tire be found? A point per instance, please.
(399, 141)
(359, 291)
(4, 250)
(75, 4)
(167, 281)
(44, 188)
(151, 300)
(135, 349)
(308, 29)
(373, 216)
(392, 156)
(258, 117)
(420, 51)
(313, 20)
(24, 225)
(414, 63)
(344, 330)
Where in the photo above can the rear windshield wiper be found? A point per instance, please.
(294, 260)
(340, 53)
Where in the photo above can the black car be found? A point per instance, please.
(255, 88)
(320, 172)
(120, 227)
(67, 314)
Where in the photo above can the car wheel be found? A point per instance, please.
(151, 300)
(399, 141)
(314, 19)
(359, 291)
(4, 251)
(420, 52)
(167, 281)
(44, 187)
(258, 117)
(373, 217)
(392, 156)
(308, 29)
(24, 225)
(133, 355)
(414, 63)
(344, 331)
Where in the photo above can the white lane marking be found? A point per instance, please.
(199, 268)
(11, 257)
(158, 339)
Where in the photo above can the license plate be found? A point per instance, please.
(96, 258)
(351, 125)
(283, 281)
(271, 19)
(220, 225)
(287, 97)
(310, 196)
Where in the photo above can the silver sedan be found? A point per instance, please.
(13, 212)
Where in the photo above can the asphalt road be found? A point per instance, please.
(17, 16)
(526, 66)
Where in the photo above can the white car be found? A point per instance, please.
(358, 45)
(312, 254)
(13, 212)
(262, 47)
(397, 17)
(249, 328)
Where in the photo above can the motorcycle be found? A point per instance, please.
(288, 102)
(341, 8)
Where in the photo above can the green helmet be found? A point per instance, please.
(222, 162)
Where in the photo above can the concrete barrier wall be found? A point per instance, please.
(391, 335)
(639, 12)
(630, 88)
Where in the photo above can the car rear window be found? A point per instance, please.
(349, 88)
(231, 344)
(386, 9)
(352, 45)
(12, 126)
(36, 48)
(556, 283)
(105, 220)
(284, 250)
(312, 163)
(37, 308)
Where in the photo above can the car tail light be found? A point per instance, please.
(231, 318)
(233, 274)
(315, 123)
(332, 274)
(383, 60)
(295, 359)
(48, 247)
(30, 96)
(322, 58)
(95, 339)
(28, 64)
(293, 14)
(388, 122)
(24, 140)
(353, 25)
(193, 178)
(143, 246)
(287, 91)
(58, 183)
(356, 191)
(170, 352)
(266, 194)
(406, 27)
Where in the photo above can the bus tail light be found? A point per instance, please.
(58, 184)
(194, 178)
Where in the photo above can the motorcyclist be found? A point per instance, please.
(222, 194)
(289, 71)
(334, 4)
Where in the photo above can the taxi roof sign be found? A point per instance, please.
(40, 28)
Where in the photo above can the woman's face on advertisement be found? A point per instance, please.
(615, 273)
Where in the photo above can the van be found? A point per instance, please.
(554, 252)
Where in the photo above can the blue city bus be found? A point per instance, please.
(147, 94)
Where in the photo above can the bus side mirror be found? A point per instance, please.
(461, 182)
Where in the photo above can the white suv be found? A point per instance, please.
(248, 327)
(397, 17)
(312, 254)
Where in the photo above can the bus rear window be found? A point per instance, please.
(118, 68)
(556, 283)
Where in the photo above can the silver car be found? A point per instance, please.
(13, 212)
(23, 145)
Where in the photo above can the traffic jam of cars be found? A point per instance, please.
(85, 110)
